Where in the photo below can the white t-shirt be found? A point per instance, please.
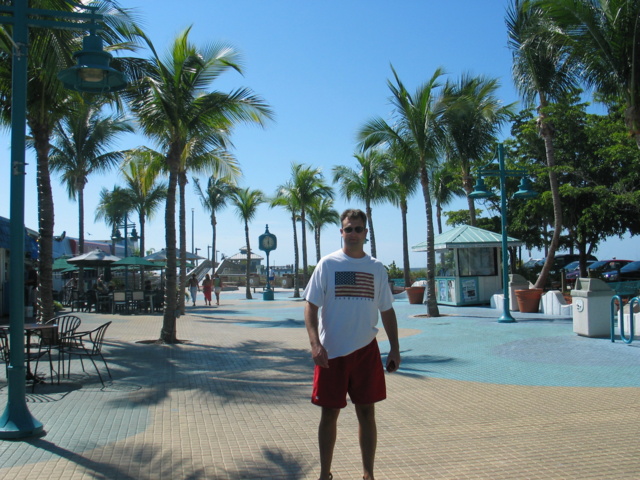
(350, 292)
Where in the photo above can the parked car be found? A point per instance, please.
(610, 268)
(572, 272)
(631, 271)
(559, 263)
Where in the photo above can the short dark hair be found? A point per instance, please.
(354, 213)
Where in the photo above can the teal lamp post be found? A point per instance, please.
(267, 242)
(92, 74)
(480, 191)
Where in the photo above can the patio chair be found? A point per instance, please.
(4, 350)
(86, 344)
(67, 325)
(120, 302)
(31, 355)
(137, 300)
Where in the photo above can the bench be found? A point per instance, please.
(625, 289)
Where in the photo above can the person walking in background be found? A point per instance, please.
(206, 289)
(193, 288)
(217, 287)
(345, 293)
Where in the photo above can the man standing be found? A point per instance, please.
(349, 288)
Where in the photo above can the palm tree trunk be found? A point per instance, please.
(182, 182)
(296, 258)
(303, 223)
(213, 240)
(405, 244)
(467, 185)
(317, 237)
(632, 120)
(372, 235)
(41, 137)
(168, 332)
(546, 131)
(248, 273)
(80, 190)
(432, 303)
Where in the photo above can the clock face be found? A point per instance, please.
(267, 242)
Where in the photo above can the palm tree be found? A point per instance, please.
(199, 158)
(142, 188)
(320, 214)
(173, 107)
(285, 197)
(418, 132)
(47, 102)
(542, 70)
(307, 184)
(80, 148)
(404, 175)
(603, 36)
(214, 199)
(246, 202)
(367, 183)
(113, 207)
(473, 117)
(445, 189)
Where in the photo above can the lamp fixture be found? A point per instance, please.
(92, 74)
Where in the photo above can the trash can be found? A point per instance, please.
(591, 299)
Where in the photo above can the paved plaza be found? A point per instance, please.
(474, 399)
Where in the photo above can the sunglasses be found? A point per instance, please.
(351, 229)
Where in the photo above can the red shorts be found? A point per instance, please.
(360, 374)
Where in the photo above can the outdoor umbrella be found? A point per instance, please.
(60, 264)
(161, 256)
(135, 262)
(95, 258)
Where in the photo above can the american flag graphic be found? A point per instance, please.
(354, 284)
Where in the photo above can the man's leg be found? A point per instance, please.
(368, 436)
(327, 432)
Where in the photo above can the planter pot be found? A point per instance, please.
(415, 294)
(529, 300)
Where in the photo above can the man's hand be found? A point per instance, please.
(393, 361)
(320, 356)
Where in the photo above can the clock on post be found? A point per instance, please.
(267, 242)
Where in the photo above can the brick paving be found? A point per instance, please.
(474, 399)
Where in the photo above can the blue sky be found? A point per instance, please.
(323, 67)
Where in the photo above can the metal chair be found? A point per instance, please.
(67, 325)
(120, 301)
(138, 301)
(86, 344)
(4, 350)
(5, 355)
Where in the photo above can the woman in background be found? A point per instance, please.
(206, 289)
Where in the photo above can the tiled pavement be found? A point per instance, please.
(474, 399)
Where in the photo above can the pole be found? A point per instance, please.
(192, 244)
(17, 421)
(126, 251)
(506, 316)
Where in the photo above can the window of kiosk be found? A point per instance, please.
(477, 262)
(446, 263)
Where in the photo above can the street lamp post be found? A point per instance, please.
(192, 240)
(480, 191)
(117, 236)
(92, 73)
